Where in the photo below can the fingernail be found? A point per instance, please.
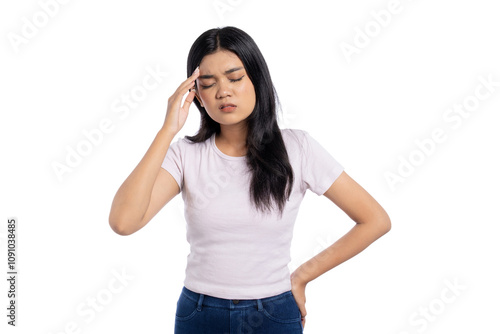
(196, 70)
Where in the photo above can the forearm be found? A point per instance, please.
(349, 245)
(132, 198)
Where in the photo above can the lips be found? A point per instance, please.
(227, 105)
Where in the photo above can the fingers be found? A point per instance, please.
(189, 82)
(303, 313)
(184, 87)
(188, 100)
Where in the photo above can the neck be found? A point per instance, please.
(233, 137)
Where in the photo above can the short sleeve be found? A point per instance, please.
(173, 163)
(319, 168)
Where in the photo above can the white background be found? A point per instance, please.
(367, 110)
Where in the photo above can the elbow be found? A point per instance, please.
(385, 224)
(380, 224)
(119, 227)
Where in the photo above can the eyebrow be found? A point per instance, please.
(207, 76)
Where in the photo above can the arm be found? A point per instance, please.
(149, 187)
(371, 220)
(145, 191)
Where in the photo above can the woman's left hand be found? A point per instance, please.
(299, 293)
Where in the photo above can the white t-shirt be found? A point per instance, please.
(237, 252)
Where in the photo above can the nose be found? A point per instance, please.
(223, 90)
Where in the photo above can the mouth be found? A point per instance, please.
(227, 107)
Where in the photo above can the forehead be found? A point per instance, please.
(219, 62)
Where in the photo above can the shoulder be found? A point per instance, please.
(295, 142)
(295, 138)
(183, 149)
(297, 135)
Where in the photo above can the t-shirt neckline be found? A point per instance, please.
(220, 153)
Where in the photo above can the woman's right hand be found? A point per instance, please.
(177, 115)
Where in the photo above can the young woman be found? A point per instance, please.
(242, 180)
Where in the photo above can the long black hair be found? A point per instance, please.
(267, 158)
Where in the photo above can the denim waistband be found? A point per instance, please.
(207, 300)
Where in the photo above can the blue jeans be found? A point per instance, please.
(203, 314)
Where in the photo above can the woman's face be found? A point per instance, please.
(223, 80)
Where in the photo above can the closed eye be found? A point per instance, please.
(231, 80)
(234, 80)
